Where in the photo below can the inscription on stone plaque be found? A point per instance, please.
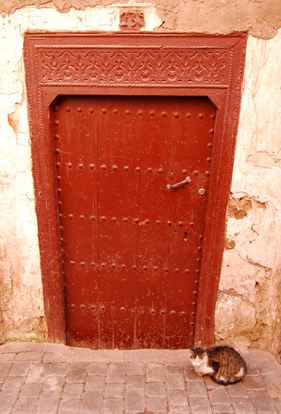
(131, 19)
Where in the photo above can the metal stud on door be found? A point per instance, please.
(133, 177)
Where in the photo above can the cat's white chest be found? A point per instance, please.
(201, 366)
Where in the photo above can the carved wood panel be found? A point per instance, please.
(135, 66)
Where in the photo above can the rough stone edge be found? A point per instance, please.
(266, 30)
(63, 353)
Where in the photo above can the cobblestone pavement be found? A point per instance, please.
(55, 379)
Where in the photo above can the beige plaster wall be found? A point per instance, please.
(249, 302)
(248, 308)
(261, 18)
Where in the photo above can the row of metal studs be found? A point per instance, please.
(139, 112)
(126, 220)
(123, 266)
(80, 166)
(123, 309)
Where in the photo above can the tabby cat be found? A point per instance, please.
(222, 363)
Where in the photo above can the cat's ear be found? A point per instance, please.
(191, 353)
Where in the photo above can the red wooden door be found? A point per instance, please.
(131, 246)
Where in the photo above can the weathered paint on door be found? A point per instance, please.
(131, 247)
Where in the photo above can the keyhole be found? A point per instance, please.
(185, 236)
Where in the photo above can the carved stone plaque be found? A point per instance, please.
(131, 19)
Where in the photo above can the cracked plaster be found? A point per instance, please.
(250, 278)
(260, 18)
(248, 305)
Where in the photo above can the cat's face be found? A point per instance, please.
(198, 356)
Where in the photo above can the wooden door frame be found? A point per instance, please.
(133, 64)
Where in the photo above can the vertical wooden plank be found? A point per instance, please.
(154, 226)
(194, 128)
(76, 158)
(119, 175)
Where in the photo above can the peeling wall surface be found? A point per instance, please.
(249, 303)
(248, 307)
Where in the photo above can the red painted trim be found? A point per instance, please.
(218, 76)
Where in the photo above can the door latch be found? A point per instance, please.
(180, 184)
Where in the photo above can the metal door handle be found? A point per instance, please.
(172, 186)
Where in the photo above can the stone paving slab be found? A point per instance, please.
(55, 379)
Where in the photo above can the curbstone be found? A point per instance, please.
(243, 406)
(19, 369)
(196, 389)
(4, 370)
(77, 372)
(116, 373)
(34, 357)
(265, 367)
(252, 368)
(113, 406)
(37, 373)
(135, 382)
(99, 369)
(191, 376)
(254, 382)
(277, 402)
(54, 383)
(134, 401)
(237, 390)
(179, 409)
(156, 405)
(5, 358)
(48, 402)
(31, 390)
(177, 397)
(69, 406)
(155, 373)
(25, 406)
(175, 382)
(219, 397)
(155, 389)
(273, 386)
(262, 402)
(7, 401)
(225, 409)
(114, 390)
(200, 405)
(73, 390)
(58, 368)
(92, 402)
(95, 383)
(174, 369)
(135, 369)
(13, 383)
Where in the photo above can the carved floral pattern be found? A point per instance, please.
(121, 66)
